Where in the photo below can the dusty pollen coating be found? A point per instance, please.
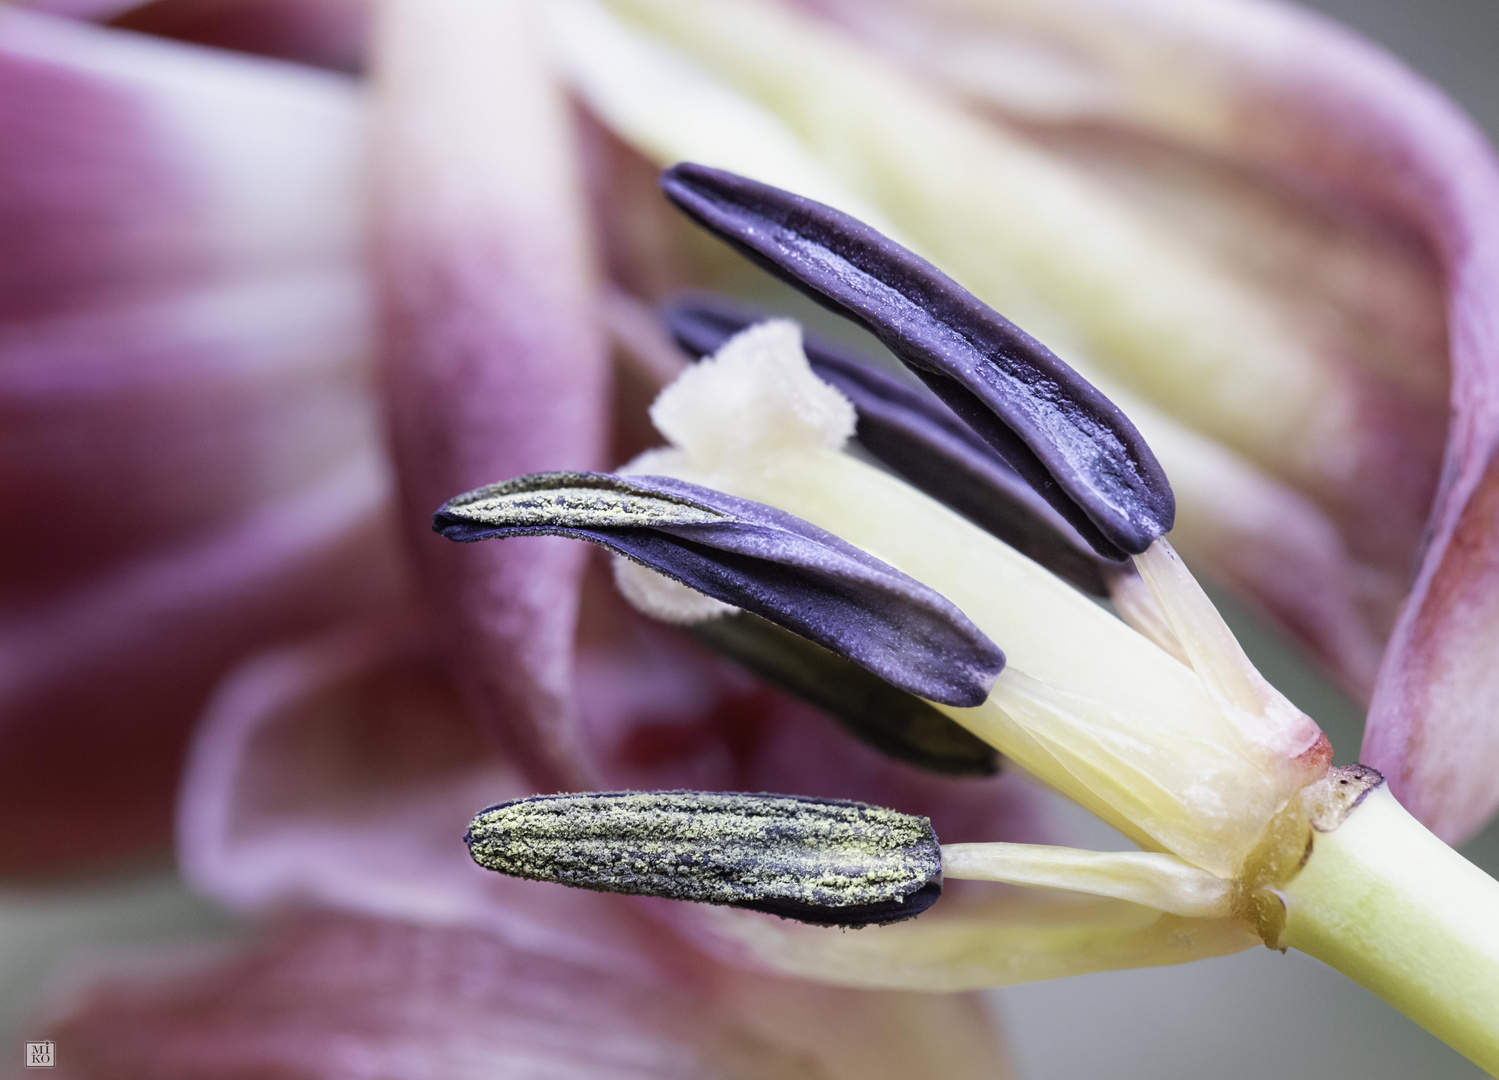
(820, 861)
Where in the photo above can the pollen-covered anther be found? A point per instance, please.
(822, 861)
(750, 556)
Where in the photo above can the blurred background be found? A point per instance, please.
(1258, 1014)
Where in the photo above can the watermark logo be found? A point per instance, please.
(41, 1055)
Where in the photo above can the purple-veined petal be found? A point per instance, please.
(1068, 441)
(913, 433)
(753, 557)
(494, 363)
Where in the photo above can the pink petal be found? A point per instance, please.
(176, 416)
(1432, 729)
(343, 773)
(323, 33)
(363, 998)
(80, 9)
(495, 365)
(143, 166)
(99, 684)
(189, 467)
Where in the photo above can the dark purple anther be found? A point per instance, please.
(898, 724)
(919, 438)
(1067, 440)
(757, 558)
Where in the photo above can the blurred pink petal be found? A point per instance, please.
(144, 166)
(177, 415)
(190, 464)
(343, 774)
(99, 10)
(350, 998)
(100, 683)
(495, 366)
(1432, 729)
(362, 998)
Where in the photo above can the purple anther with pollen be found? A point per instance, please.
(1068, 441)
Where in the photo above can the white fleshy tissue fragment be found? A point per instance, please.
(755, 396)
(662, 598)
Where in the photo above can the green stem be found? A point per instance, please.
(1395, 909)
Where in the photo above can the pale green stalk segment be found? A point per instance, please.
(1392, 907)
(1155, 879)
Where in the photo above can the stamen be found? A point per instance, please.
(822, 861)
(1066, 439)
(1136, 606)
(1262, 714)
(890, 720)
(754, 557)
(1154, 879)
(919, 438)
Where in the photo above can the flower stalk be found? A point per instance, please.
(1391, 906)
